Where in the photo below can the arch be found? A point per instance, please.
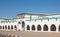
(23, 24)
(28, 27)
(15, 27)
(0, 27)
(19, 22)
(53, 27)
(45, 28)
(33, 27)
(11, 26)
(59, 27)
(5, 27)
(38, 27)
(8, 27)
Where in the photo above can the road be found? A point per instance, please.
(29, 34)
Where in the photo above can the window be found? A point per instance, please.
(5, 27)
(33, 27)
(28, 27)
(8, 27)
(38, 27)
(53, 27)
(0, 27)
(45, 28)
(11, 27)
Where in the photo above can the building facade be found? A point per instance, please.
(32, 22)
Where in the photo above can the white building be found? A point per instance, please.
(32, 22)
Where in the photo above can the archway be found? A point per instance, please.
(59, 27)
(5, 27)
(23, 24)
(28, 27)
(15, 27)
(0, 27)
(53, 27)
(45, 28)
(38, 27)
(8, 27)
(11, 26)
(33, 27)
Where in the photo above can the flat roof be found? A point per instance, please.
(31, 14)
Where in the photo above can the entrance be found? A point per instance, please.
(23, 24)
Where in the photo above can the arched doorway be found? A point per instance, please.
(53, 27)
(28, 27)
(5, 27)
(59, 27)
(15, 27)
(11, 26)
(8, 27)
(0, 27)
(33, 27)
(38, 27)
(45, 28)
(23, 24)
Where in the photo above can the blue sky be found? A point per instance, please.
(9, 8)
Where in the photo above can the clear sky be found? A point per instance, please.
(9, 8)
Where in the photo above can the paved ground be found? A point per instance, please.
(29, 34)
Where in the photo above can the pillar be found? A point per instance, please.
(42, 28)
(30, 28)
(13, 27)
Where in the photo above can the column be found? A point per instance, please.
(30, 28)
(25, 28)
(10, 27)
(7, 27)
(57, 28)
(42, 28)
(35, 27)
(49, 28)
(13, 28)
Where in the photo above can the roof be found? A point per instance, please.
(7, 18)
(31, 14)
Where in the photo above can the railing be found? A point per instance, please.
(43, 19)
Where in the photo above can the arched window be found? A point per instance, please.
(59, 27)
(15, 26)
(23, 24)
(53, 27)
(33, 27)
(0, 27)
(38, 27)
(8, 27)
(45, 28)
(28, 27)
(19, 22)
(11, 27)
(5, 27)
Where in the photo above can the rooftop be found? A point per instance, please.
(31, 14)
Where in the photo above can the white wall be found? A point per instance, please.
(42, 23)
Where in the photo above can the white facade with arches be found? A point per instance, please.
(55, 23)
(32, 22)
